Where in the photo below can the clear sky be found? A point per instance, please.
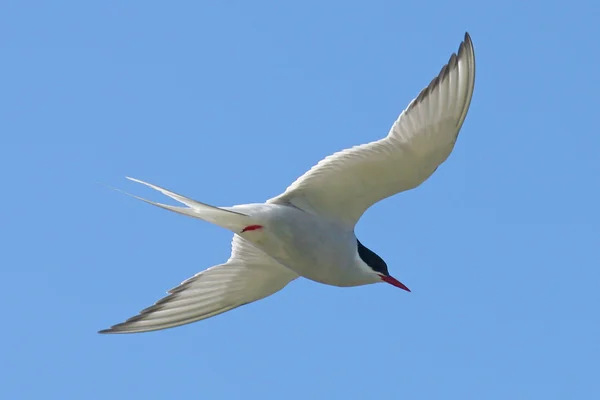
(228, 102)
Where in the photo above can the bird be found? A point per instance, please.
(308, 230)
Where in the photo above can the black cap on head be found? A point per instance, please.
(372, 260)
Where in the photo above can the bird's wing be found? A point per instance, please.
(247, 276)
(346, 183)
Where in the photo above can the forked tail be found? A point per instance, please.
(232, 220)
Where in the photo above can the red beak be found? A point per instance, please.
(394, 282)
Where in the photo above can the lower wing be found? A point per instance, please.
(247, 276)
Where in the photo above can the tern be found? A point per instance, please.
(308, 230)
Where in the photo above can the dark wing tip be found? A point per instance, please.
(119, 328)
(465, 46)
(125, 327)
(467, 40)
(173, 294)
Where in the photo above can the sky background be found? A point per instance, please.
(228, 102)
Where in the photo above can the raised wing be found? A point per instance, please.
(346, 183)
(247, 276)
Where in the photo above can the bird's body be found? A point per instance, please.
(308, 230)
(300, 241)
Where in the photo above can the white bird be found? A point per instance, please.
(308, 231)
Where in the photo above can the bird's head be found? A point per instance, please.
(378, 266)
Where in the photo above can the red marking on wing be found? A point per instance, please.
(394, 282)
(252, 228)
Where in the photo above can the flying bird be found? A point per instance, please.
(308, 230)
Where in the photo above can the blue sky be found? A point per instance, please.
(228, 102)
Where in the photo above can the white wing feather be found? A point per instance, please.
(346, 183)
(247, 276)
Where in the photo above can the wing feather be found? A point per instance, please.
(247, 276)
(345, 184)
